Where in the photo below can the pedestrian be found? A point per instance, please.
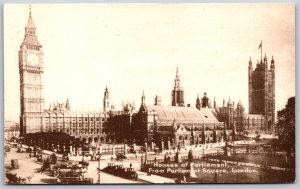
(111, 158)
(29, 155)
(130, 165)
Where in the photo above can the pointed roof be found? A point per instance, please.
(265, 58)
(240, 103)
(30, 23)
(272, 61)
(143, 98)
(30, 37)
(229, 101)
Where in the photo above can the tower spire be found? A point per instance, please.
(30, 37)
(177, 93)
(30, 23)
(215, 103)
(143, 97)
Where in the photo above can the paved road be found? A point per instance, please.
(30, 167)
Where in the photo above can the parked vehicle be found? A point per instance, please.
(110, 168)
(12, 178)
(121, 171)
(131, 174)
(20, 150)
(72, 175)
(7, 148)
(120, 156)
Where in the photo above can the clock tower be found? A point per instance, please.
(31, 71)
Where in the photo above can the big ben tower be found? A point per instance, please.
(31, 71)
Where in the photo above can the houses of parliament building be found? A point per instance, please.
(203, 123)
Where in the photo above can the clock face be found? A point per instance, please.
(32, 59)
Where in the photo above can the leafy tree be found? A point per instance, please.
(285, 126)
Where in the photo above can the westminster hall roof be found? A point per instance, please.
(184, 114)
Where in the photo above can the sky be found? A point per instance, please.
(134, 47)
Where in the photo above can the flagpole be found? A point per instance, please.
(261, 50)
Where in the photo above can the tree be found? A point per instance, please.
(285, 126)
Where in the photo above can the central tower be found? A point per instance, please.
(31, 69)
(262, 91)
(177, 92)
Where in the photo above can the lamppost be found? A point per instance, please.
(125, 146)
(70, 147)
(146, 146)
(141, 159)
(99, 170)
(162, 143)
(173, 143)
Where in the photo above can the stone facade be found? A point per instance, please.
(31, 71)
(85, 125)
(236, 119)
(262, 91)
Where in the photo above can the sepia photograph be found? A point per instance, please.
(171, 93)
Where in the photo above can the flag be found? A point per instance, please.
(260, 45)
